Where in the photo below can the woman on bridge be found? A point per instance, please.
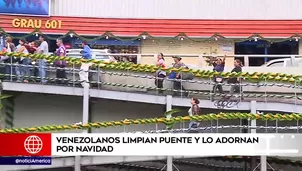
(22, 70)
(160, 75)
(194, 110)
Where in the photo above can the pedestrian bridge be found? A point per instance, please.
(270, 95)
(263, 104)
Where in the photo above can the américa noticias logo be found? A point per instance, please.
(33, 144)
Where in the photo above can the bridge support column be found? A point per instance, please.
(168, 108)
(85, 120)
(263, 159)
(253, 162)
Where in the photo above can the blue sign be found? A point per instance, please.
(25, 7)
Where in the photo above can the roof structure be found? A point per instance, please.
(156, 27)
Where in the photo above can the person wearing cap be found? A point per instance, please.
(84, 70)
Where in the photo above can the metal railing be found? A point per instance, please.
(145, 83)
(200, 58)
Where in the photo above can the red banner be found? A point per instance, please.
(25, 144)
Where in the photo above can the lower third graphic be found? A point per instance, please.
(25, 160)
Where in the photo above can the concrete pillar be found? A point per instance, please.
(85, 117)
(168, 103)
(169, 107)
(253, 163)
(169, 163)
(85, 120)
(253, 111)
(263, 161)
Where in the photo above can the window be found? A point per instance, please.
(277, 64)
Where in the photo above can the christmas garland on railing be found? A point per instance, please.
(7, 113)
(162, 120)
(256, 76)
(208, 82)
(192, 92)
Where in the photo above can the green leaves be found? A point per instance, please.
(173, 111)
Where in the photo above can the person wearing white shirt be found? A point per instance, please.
(43, 49)
(23, 68)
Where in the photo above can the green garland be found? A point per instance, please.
(163, 120)
(204, 93)
(4, 114)
(9, 104)
(204, 74)
(180, 36)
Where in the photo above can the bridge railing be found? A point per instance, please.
(200, 87)
(200, 59)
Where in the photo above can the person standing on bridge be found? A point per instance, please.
(22, 70)
(218, 65)
(8, 60)
(177, 84)
(60, 65)
(160, 75)
(42, 49)
(236, 80)
(194, 110)
(84, 71)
